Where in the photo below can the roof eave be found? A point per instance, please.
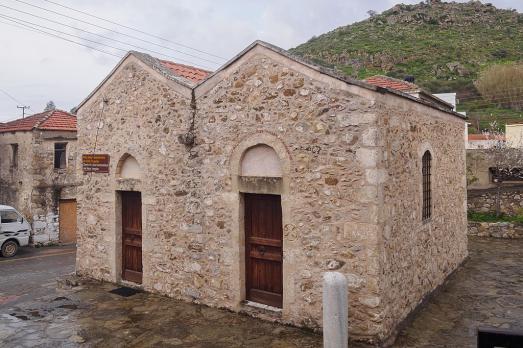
(150, 61)
(104, 81)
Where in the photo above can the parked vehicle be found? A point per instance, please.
(14, 231)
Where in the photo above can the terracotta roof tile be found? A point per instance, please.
(392, 83)
(48, 120)
(186, 71)
(473, 137)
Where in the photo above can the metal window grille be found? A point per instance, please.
(427, 192)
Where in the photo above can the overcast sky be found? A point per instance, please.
(35, 68)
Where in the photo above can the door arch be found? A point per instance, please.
(263, 228)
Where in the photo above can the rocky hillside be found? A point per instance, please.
(443, 45)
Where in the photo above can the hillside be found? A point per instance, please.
(443, 45)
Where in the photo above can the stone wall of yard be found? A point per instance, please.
(484, 201)
(509, 230)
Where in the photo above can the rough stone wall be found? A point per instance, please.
(143, 116)
(35, 187)
(507, 230)
(191, 240)
(484, 201)
(50, 184)
(418, 256)
(478, 175)
(16, 183)
(325, 138)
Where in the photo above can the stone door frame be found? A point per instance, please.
(259, 185)
(119, 185)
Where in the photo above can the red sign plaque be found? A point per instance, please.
(95, 163)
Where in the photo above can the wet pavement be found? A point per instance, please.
(486, 291)
(32, 272)
(90, 316)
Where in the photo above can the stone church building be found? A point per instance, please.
(240, 188)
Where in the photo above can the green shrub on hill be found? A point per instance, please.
(445, 46)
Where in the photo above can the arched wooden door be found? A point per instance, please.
(132, 236)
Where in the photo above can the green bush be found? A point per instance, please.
(491, 217)
(502, 84)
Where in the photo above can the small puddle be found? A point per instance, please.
(36, 314)
(60, 298)
(19, 316)
(69, 306)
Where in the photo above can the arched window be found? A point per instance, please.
(128, 168)
(261, 160)
(427, 193)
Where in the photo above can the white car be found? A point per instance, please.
(14, 231)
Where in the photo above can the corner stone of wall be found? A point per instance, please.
(507, 230)
(45, 229)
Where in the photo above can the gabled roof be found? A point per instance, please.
(56, 120)
(186, 71)
(409, 88)
(187, 75)
(389, 82)
(195, 78)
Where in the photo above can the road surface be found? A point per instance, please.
(32, 273)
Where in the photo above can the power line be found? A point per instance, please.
(10, 96)
(62, 38)
(21, 22)
(116, 32)
(134, 29)
(91, 33)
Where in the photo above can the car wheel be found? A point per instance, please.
(9, 248)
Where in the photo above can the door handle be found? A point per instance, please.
(261, 249)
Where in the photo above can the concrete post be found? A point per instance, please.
(335, 311)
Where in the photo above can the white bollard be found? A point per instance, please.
(335, 311)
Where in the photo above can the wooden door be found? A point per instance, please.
(264, 249)
(132, 236)
(67, 220)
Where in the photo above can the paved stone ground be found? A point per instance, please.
(486, 291)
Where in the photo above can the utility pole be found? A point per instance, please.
(23, 109)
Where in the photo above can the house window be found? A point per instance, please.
(427, 193)
(14, 155)
(60, 160)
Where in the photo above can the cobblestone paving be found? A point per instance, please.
(92, 317)
(486, 291)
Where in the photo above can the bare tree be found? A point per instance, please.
(372, 13)
(506, 159)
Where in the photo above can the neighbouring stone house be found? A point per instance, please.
(37, 173)
(240, 188)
